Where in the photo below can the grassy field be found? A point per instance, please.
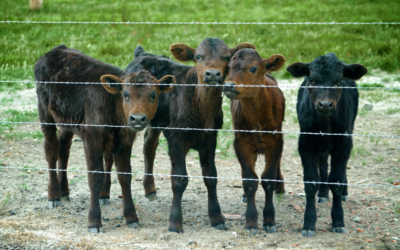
(375, 46)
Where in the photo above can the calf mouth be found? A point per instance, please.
(231, 94)
(213, 82)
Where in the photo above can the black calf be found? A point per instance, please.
(326, 110)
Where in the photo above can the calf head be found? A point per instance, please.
(139, 101)
(248, 68)
(211, 56)
(326, 71)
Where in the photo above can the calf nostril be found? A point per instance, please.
(143, 119)
(320, 104)
(208, 73)
(331, 104)
(232, 86)
(133, 119)
(219, 73)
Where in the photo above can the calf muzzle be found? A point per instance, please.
(229, 90)
(138, 121)
(213, 76)
(325, 107)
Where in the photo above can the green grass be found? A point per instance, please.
(9, 131)
(6, 200)
(375, 46)
(370, 85)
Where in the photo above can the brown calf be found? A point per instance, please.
(260, 109)
(188, 107)
(92, 104)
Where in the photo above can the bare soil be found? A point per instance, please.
(26, 222)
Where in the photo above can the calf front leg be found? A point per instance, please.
(122, 163)
(310, 167)
(177, 153)
(151, 137)
(323, 193)
(105, 190)
(207, 161)
(247, 160)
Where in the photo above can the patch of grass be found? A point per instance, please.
(10, 131)
(392, 111)
(359, 150)
(396, 208)
(370, 85)
(379, 159)
(362, 112)
(6, 200)
(75, 180)
(388, 180)
(24, 186)
(374, 46)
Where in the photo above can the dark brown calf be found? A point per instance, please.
(260, 109)
(92, 104)
(188, 107)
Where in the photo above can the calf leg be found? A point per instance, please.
(105, 190)
(177, 153)
(339, 158)
(247, 162)
(207, 161)
(272, 162)
(122, 163)
(323, 193)
(279, 186)
(65, 139)
(310, 167)
(51, 150)
(150, 145)
(94, 161)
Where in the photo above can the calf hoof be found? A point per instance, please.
(244, 199)
(270, 229)
(251, 231)
(322, 199)
(309, 233)
(53, 204)
(95, 230)
(134, 225)
(176, 230)
(104, 201)
(221, 227)
(152, 197)
(339, 230)
(65, 198)
(345, 198)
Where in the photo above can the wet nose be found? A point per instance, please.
(212, 76)
(325, 106)
(138, 121)
(228, 86)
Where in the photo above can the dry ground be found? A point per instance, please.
(27, 223)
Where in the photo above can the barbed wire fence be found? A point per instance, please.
(200, 85)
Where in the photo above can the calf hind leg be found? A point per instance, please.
(65, 139)
(105, 190)
(151, 137)
(323, 193)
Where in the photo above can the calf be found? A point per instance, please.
(188, 107)
(326, 110)
(259, 109)
(110, 104)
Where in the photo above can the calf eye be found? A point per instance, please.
(253, 69)
(153, 95)
(198, 58)
(310, 80)
(126, 96)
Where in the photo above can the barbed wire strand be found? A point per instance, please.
(203, 129)
(206, 85)
(203, 23)
(207, 177)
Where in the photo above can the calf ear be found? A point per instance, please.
(242, 46)
(354, 71)
(182, 52)
(299, 69)
(274, 63)
(168, 79)
(111, 83)
(138, 51)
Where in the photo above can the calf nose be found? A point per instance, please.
(212, 76)
(228, 86)
(138, 121)
(325, 106)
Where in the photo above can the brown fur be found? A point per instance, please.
(259, 109)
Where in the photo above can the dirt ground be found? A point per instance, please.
(371, 214)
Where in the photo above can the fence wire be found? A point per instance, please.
(207, 177)
(203, 23)
(203, 129)
(209, 85)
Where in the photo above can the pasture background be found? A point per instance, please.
(373, 160)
